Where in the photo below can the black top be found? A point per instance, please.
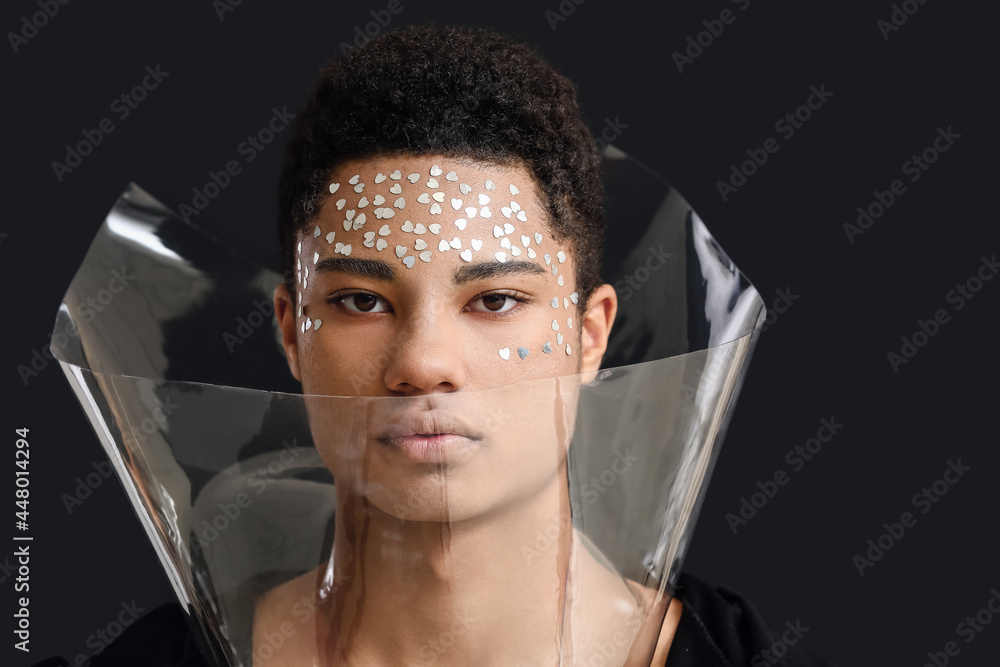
(721, 628)
(718, 628)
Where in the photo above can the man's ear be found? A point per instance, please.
(598, 318)
(284, 312)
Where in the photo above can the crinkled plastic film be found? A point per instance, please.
(281, 519)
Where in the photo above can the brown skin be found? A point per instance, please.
(435, 530)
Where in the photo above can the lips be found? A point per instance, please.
(426, 423)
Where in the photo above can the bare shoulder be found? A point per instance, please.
(665, 633)
(277, 603)
(286, 612)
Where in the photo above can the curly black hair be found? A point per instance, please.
(456, 92)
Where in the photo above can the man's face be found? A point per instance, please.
(435, 285)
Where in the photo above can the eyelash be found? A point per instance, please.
(336, 299)
(512, 294)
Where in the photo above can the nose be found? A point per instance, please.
(429, 356)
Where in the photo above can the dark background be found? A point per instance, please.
(825, 357)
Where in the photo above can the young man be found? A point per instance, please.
(441, 207)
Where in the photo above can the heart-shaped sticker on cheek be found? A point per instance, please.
(505, 353)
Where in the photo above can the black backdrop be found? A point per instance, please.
(824, 357)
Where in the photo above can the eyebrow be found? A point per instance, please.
(376, 269)
(365, 268)
(485, 270)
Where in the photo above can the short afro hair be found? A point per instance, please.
(453, 91)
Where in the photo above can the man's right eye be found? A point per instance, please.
(359, 302)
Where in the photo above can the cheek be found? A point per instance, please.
(331, 365)
(533, 349)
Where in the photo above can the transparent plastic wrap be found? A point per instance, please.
(294, 528)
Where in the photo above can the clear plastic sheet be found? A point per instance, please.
(293, 532)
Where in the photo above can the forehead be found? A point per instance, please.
(421, 211)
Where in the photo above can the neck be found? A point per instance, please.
(459, 592)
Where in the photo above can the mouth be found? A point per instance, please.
(429, 437)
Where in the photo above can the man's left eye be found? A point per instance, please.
(497, 302)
